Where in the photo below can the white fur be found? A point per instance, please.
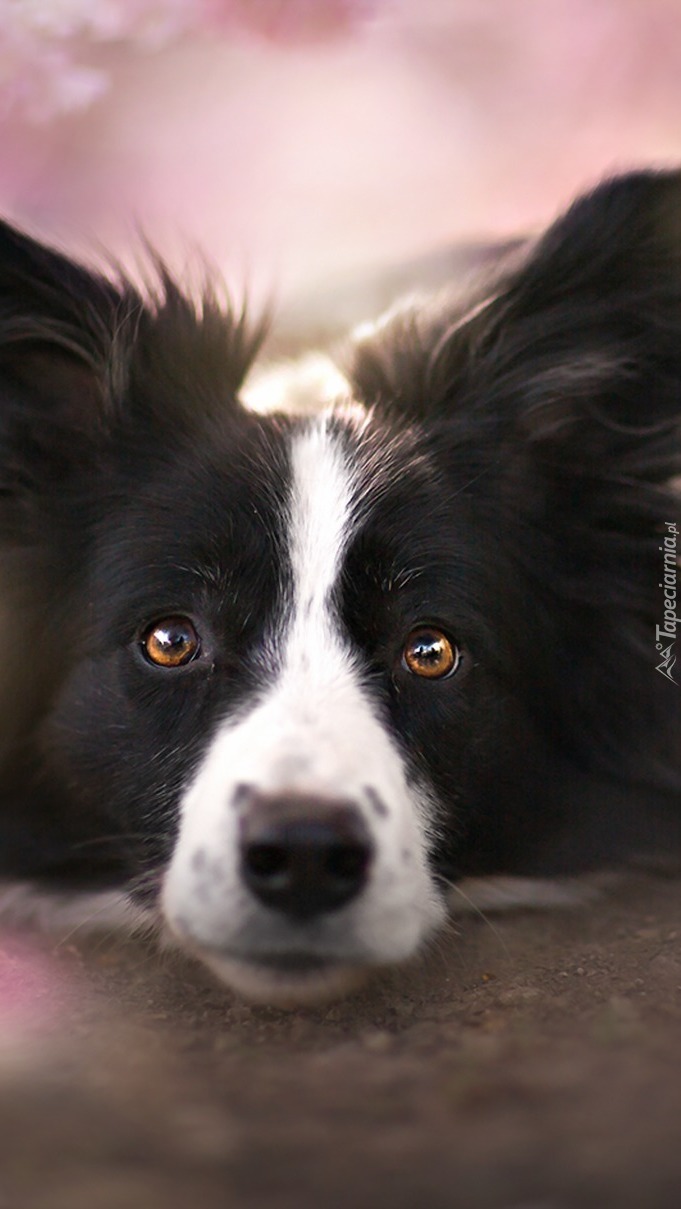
(60, 913)
(475, 894)
(313, 731)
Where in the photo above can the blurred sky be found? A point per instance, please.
(294, 159)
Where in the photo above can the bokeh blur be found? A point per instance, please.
(297, 141)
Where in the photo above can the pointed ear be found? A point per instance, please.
(576, 343)
(81, 352)
(591, 326)
(57, 319)
(57, 329)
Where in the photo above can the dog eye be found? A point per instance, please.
(428, 652)
(171, 642)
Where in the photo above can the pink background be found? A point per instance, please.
(291, 159)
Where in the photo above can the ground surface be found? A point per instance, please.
(532, 1064)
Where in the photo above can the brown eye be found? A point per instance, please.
(428, 652)
(171, 642)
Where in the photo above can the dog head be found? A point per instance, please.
(292, 676)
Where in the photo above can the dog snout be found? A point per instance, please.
(303, 856)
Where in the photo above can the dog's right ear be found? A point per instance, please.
(58, 326)
(80, 351)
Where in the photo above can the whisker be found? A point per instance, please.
(87, 920)
(120, 838)
(438, 946)
(481, 915)
(479, 475)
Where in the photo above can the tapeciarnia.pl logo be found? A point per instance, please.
(665, 635)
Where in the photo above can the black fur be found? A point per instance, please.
(553, 413)
(540, 426)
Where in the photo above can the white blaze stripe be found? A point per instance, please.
(314, 731)
(320, 524)
(309, 748)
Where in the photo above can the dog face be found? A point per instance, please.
(321, 856)
(283, 680)
(286, 663)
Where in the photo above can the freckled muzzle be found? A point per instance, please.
(294, 897)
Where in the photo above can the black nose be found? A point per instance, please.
(303, 856)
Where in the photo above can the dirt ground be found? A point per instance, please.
(530, 1062)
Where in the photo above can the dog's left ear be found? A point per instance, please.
(589, 329)
(578, 341)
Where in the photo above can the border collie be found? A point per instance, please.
(280, 683)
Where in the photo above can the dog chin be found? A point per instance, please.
(287, 986)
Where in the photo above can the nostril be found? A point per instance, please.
(268, 862)
(345, 862)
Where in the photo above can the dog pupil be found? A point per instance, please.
(428, 649)
(173, 639)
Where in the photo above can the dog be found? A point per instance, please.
(281, 685)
